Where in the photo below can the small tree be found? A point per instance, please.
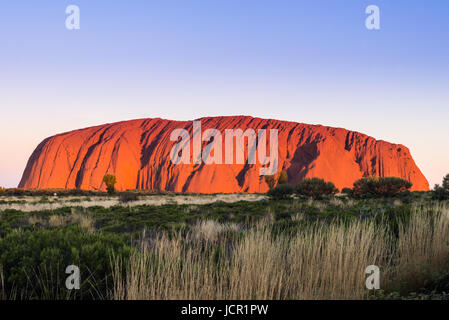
(2, 190)
(446, 183)
(270, 181)
(315, 187)
(283, 177)
(110, 180)
(442, 192)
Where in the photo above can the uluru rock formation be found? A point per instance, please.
(138, 153)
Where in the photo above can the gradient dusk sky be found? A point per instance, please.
(308, 61)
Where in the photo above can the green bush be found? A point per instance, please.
(34, 261)
(381, 186)
(441, 192)
(281, 191)
(15, 192)
(50, 192)
(315, 187)
(347, 191)
(110, 180)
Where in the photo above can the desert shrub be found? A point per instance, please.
(51, 192)
(315, 187)
(381, 186)
(441, 192)
(15, 192)
(34, 262)
(347, 191)
(128, 197)
(446, 182)
(283, 177)
(281, 191)
(2, 190)
(270, 181)
(110, 180)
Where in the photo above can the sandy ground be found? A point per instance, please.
(29, 204)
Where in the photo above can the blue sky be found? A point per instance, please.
(307, 61)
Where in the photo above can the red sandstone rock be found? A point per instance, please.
(138, 153)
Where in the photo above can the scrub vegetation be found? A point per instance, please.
(292, 246)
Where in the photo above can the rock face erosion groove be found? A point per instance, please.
(138, 153)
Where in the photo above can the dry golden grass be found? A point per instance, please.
(322, 262)
(159, 273)
(57, 221)
(3, 295)
(210, 230)
(423, 246)
(82, 219)
(33, 220)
